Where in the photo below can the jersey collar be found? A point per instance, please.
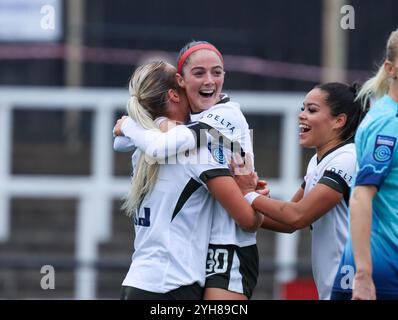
(223, 99)
(349, 140)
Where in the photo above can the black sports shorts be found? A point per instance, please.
(232, 268)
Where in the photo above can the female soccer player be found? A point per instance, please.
(328, 121)
(232, 265)
(372, 249)
(170, 204)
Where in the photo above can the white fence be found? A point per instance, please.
(95, 192)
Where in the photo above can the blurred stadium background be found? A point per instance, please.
(64, 67)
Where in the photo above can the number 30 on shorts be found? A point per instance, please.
(217, 260)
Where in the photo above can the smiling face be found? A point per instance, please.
(318, 128)
(202, 79)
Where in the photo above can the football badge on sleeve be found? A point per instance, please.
(217, 153)
(384, 148)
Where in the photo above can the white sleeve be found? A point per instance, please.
(229, 120)
(224, 117)
(339, 172)
(123, 144)
(156, 144)
(343, 165)
(211, 165)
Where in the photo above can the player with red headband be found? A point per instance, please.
(233, 262)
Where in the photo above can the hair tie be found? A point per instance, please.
(354, 88)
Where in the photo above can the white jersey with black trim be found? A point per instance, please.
(329, 233)
(172, 227)
(228, 119)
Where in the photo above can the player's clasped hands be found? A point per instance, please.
(245, 176)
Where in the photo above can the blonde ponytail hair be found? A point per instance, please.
(148, 89)
(378, 85)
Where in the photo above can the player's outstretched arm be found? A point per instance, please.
(297, 214)
(155, 143)
(302, 213)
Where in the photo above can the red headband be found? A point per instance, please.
(192, 50)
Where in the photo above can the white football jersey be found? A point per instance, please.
(228, 119)
(330, 232)
(173, 225)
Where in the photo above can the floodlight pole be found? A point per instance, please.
(74, 40)
(334, 42)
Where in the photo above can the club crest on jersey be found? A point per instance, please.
(384, 148)
(217, 153)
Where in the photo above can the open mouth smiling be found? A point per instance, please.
(207, 93)
(304, 128)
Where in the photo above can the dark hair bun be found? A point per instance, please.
(354, 88)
